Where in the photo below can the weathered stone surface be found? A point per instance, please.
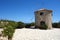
(36, 34)
(46, 17)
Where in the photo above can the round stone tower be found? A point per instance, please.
(43, 16)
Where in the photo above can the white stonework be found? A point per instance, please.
(36, 34)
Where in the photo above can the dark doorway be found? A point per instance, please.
(43, 25)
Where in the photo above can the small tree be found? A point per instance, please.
(32, 24)
(20, 25)
(8, 29)
(44, 26)
(28, 25)
(56, 25)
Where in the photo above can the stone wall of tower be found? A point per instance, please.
(46, 18)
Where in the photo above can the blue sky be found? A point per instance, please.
(23, 10)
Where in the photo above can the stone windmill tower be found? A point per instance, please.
(43, 16)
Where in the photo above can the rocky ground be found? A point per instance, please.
(36, 34)
(1, 37)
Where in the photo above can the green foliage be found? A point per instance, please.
(8, 27)
(44, 26)
(8, 31)
(7, 22)
(20, 25)
(28, 25)
(32, 24)
(56, 25)
(13, 24)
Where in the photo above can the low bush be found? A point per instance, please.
(56, 25)
(20, 25)
(44, 26)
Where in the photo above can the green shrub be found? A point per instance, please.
(20, 25)
(56, 25)
(28, 25)
(44, 26)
